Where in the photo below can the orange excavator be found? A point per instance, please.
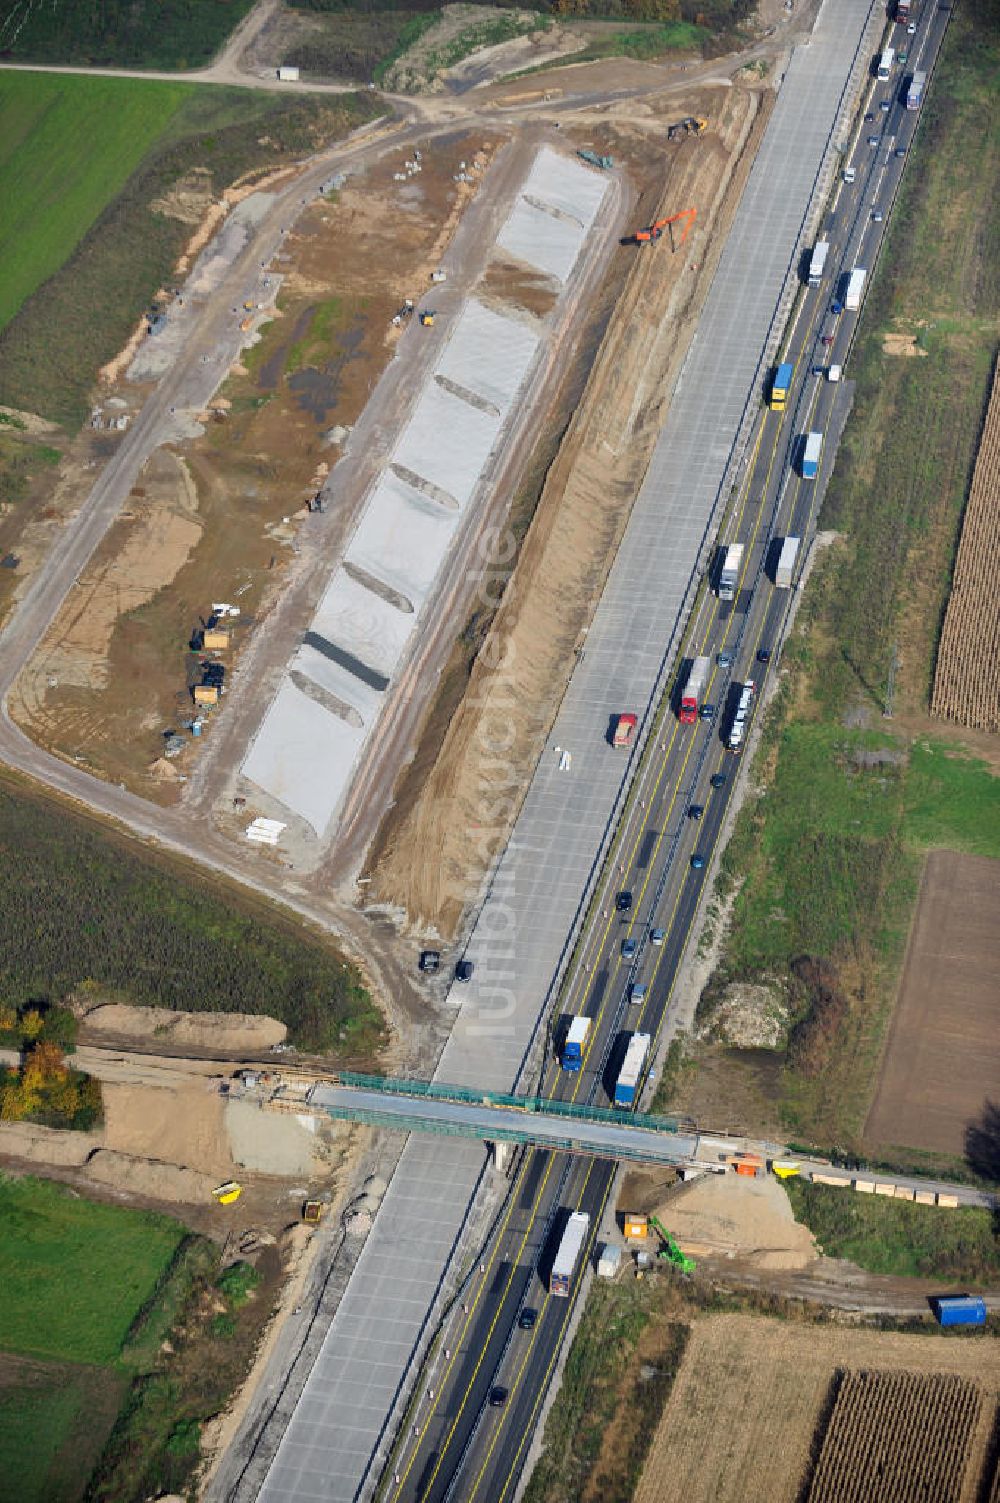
(646, 237)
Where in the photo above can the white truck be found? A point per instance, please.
(568, 1255)
(729, 574)
(785, 567)
(817, 262)
(854, 287)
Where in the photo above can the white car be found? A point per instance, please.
(849, 174)
(911, 30)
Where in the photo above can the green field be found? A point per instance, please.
(67, 146)
(75, 1274)
(81, 907)
(54, 1420)
(82, 315)
(157, 34)
(824, 864)
(895, 1237)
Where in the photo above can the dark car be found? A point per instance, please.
(885, 105)
(430, 960)
(695, 811)
(629, 947)
(869, 118)
(623, 902)
(697, 862)
(526, 1319)
(873, 140)
(725, 657)
(498, 1397)
(464, 970)
(836, 307)
(901, 151)
(707, 712)
(718, 780)
(763, 654)
(827, 339)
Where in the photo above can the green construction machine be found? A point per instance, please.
(596, 160)
(670, 1252)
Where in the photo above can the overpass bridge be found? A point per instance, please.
(429, 1106)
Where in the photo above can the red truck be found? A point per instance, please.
(694, 689)
(624, 730)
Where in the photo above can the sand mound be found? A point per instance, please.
(742, 1218)
(228, 1033)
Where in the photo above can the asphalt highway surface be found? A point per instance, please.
(459, 1444)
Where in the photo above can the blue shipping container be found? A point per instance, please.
(960, 1310)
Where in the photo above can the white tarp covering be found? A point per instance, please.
(362, 624)
(552, 214)
(305, 750)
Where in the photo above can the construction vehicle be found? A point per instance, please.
(227, 1193)
(427, 319)
(670, 1252)
(597, 161)
(312, 1212)
(655, 230)
(693, 125)
(693, 690)
(636, 1227)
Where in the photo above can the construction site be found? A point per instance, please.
(275, 626)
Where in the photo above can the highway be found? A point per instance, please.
(457, 1445)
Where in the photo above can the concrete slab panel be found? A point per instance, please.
(488, 354)
(567, 185)
(402, 538)
(447, 442)
(302, 756)
(344, 687)
(538, 239)
(362, 623)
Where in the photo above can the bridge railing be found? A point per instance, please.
(470, 1096)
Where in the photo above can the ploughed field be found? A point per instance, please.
(768, 1409)
(942, 1059)
(967, 677)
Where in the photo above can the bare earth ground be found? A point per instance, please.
(750, 1394)
(730, 1216)
(175, 1127)
(222, 515)
(583, 509)
(942, 1058)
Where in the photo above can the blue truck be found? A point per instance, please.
(812, 448)
(576, 1037)
(630, 1074)
(960, 1310)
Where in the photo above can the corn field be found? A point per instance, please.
(897, 1437)
(967, 677)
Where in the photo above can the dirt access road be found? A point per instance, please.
(190, 384)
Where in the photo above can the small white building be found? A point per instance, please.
(609, 1261)
(287, 74)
